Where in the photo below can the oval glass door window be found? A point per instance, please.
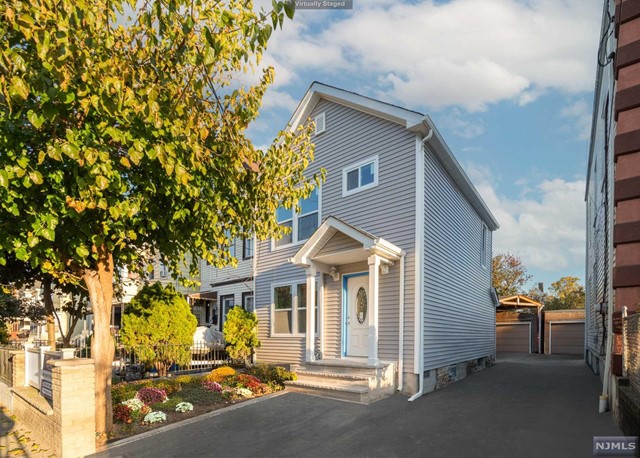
(361, 305)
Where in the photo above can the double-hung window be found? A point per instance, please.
(290, 309)
(360, 176)
(247, 248)
(302, 224)
(232, 243)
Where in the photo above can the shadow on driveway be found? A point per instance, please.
(524, 406)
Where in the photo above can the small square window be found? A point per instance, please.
(360, 176)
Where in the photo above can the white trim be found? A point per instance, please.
(294, 308)
(418, 338)
(564, 322)
(484, 251)
(509, 323)
(357, 166)
(375, 245)
(294, 225)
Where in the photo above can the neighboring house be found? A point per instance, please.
(392, 252)
(222, 289)
(613, 194)
(518, 325)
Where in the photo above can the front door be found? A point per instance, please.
(357, 315)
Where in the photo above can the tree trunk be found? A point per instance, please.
(48, 306)
(100, 287)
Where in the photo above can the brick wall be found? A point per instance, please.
(631, 356)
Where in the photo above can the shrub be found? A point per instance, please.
(241, 333)
(159, 326)
(220, 374)
(122, 391)
(134, 404)
(122, 414)
(138, 415)
(270, 374)
(151, 395)
(212, 386)
(155, 417)
(184, 407)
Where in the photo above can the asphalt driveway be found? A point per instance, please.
(531, 406)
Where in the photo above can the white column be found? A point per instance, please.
(311, 316)
(374, 277)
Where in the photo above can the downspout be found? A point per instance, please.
(401, 323)
(419, 302)
(540, 340)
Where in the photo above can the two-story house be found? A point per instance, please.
(392, 254)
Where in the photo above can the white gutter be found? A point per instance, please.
(401, 323)
(540, 340)
(418, 341)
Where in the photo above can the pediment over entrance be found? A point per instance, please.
(336, 242)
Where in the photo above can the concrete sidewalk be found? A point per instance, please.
(531, 406)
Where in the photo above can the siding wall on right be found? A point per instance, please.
(459, 318)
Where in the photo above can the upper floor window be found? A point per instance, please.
(247, 248)
(302, 224)
(232, 244)
(164, 271)
(360, 176)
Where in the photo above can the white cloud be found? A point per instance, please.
(544, 224)
(466, 53)
(465, 128)
(580, 114)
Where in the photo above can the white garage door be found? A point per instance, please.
(566, 338)
(513, 337)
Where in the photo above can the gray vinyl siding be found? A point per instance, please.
(599, 189)
(459, 315)
(387, 211)
(209, 274)
(339, 242)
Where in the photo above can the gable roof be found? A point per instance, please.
(370, 243)
(411, 120)
(519, 300)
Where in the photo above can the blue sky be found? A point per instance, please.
(509, 84)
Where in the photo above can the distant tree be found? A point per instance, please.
(158, 325)
(509, 274)
(566, 293)
(241, 333)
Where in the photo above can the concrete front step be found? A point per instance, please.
(345, 380)
(350, 393)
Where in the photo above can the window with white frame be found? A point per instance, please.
(232, 243)
(164, 271)
(290, 309)
(360, 176)
(302, 224)
(247, 301)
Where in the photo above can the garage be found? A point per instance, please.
(566, 338)
(564, 332)
(513, 337)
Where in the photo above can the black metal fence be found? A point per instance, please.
(128, 365)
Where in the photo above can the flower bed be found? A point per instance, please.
(143, 405)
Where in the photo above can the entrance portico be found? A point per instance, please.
(335, 244)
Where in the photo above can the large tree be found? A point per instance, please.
(122, 135)
(509, 274)
(566, 293)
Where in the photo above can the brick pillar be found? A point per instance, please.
(74, 407)
(17, 360)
